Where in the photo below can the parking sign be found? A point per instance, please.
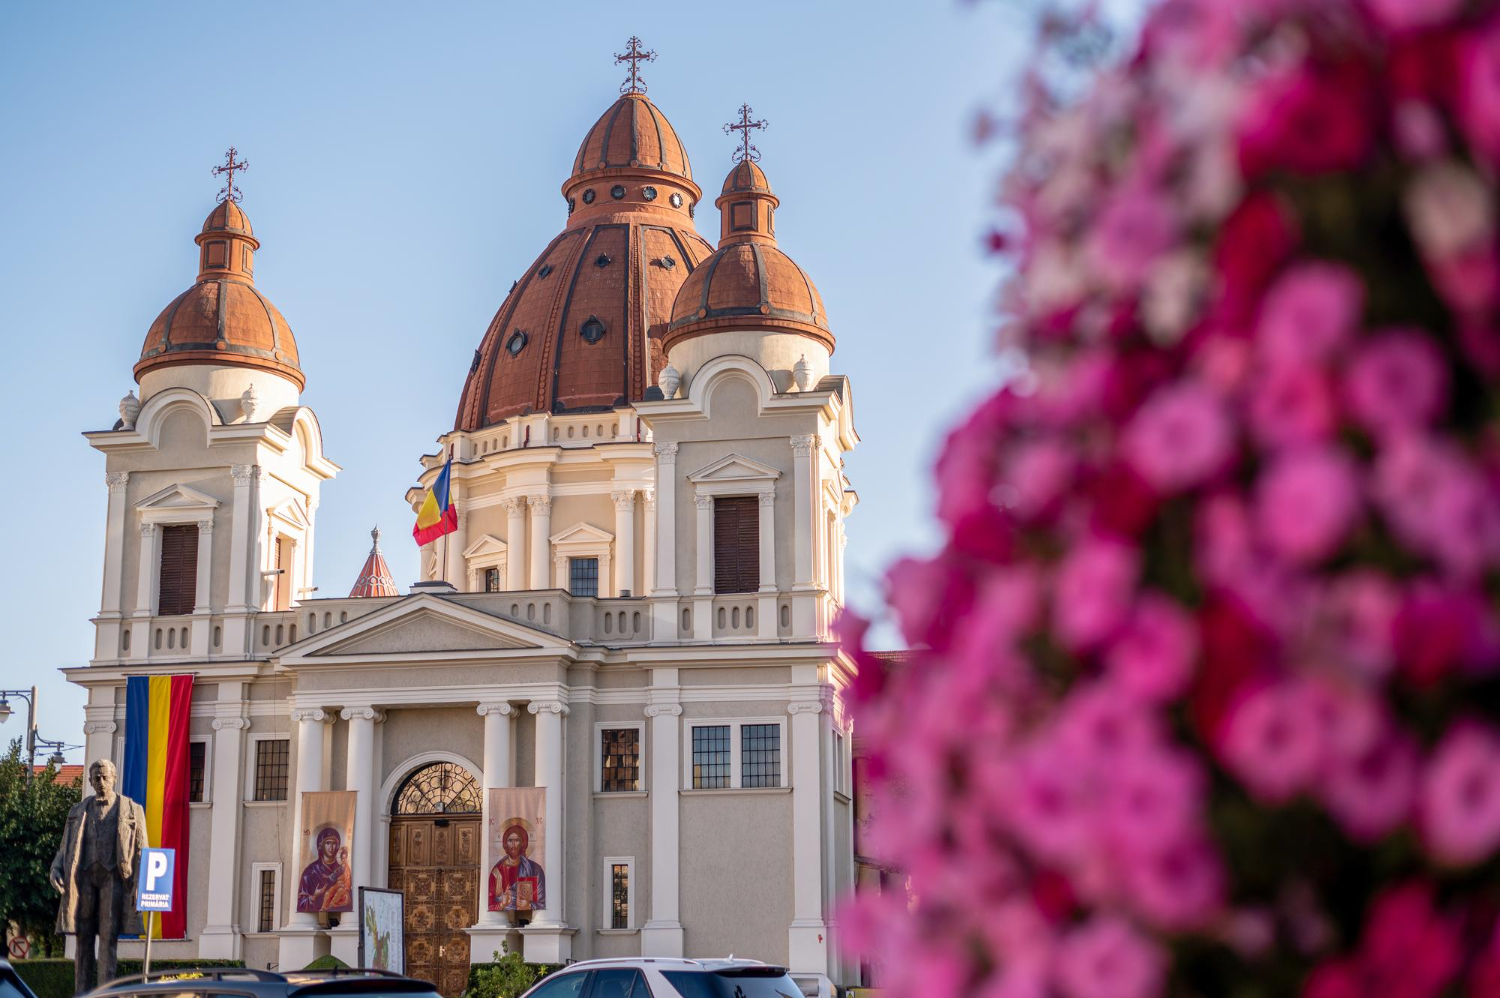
(153, 890)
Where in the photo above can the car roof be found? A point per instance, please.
(672, 962)
(298, 982)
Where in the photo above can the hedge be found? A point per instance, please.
(53, 978)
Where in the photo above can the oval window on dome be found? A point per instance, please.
(544, 270)
(516, 343)
(592, 329)
(588, 196)
(617, 191)
(649, 193)
(676, 200)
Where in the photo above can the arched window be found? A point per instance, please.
(440, 788)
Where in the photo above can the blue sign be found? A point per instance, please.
(153, 882)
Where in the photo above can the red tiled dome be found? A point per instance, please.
(582, 327)
(223, 318)
(375, 578)
(749, 281)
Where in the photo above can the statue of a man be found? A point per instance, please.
(95, 870)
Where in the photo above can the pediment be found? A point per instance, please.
(291, 511)
(582, 533)
(487, 546)
(175, 497)
(734, 468)
(423, 631)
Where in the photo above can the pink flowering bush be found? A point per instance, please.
(1204, 697)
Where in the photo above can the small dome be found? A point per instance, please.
(748, 282)
(223, 318)
(632, 135)
(746, 176)
(375, 578)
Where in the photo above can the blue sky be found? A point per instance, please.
(405, 165)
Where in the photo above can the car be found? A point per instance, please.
(667, 977)
(11, 985)
(247, 982)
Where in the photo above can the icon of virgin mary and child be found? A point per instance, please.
(325, 881)
(517, 882)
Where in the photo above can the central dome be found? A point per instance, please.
(582, 329)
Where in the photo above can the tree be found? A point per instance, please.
(33, 814)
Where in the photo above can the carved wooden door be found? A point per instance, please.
(435, 862)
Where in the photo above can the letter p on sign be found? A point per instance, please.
(154, 887)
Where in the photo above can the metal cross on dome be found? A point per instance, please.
(229, 191)
(745, 126)
(634, 55)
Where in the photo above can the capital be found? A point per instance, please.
(147, 530)
(666, 453)
(206, 527)
(514, 505)
(361, 713)
(503, 709)
(670, 709)
(542, 504)
(802, 444)
(805, 707)
(547, 706)
(244, 474)
(624, 500)
(95, 727)
(116, 481)
(231, 723)
(648, 499)
(703, 502)
(767, 499)
(308, 714)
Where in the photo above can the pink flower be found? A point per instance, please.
(1405, 15)
(1371, 791)
(1273, 743)
(1448, 208)
(1310, 313)
(1038, 472)
(1306, 502)
(1479, 89)
(1409, 949)
(1310, 120)
(1439, 504)
(1359, 622)
(1153, 657)
(1460, 798)
(1177, 884)
(1047, 807)
(1396, 382)
(1153, 797)
(929, 597)
(1180, 437)
(1136, 227)
(1092, 592)
(1291, 404)
(1107, 958)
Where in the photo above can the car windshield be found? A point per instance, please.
(9, 990)
(747, 983)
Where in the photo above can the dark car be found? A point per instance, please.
(244, 982)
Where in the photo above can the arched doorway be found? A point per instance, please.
(434, 860)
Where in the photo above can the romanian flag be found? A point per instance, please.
(155, 776)
(438, 515)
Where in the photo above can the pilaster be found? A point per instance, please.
(221, 938)
(515, 543)
(807, 936)
(624, 574)
(541, 532)
(662, 935)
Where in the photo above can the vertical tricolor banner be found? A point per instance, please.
(155, 776)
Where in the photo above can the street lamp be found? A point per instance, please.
(30, 697)
(56, 758)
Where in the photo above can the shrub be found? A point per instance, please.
(507, 977)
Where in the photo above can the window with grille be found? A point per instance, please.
(711, 767)
(583, 576)
(267, 920)
(760, 755)
(438, 788)
(620, 759)
(177, 589)
(197, 753)
(492, 580)
(619, 895)
(736, 544)
(271, 768)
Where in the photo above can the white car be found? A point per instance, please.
(666, 977)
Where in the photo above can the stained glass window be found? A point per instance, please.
(619, 895)
(620, 759)
(441, 788)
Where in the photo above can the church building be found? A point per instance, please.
(634, 611)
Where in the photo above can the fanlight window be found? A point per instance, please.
(441, 788)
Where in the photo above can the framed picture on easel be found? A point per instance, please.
(382, 944)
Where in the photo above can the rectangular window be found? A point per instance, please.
(619, 895)
(492, 580)
(736, 544)
(177, 590)
(620, 760)
(283, 592)
(583, 576)
(711, 767)
(760, 755)
(267, 920)
(197, 753)
(271, 768)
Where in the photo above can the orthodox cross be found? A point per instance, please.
(633, 83)
(230, 192)
(745, 126)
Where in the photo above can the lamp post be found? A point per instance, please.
(56, 758)
(30, 697)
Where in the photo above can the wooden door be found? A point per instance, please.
(435, 862)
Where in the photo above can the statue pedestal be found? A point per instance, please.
(490, 936)
(301, 945)
(343, 942)
(547, 943)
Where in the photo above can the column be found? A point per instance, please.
(221, 931)
(360, 777)
(99, 735)
(515, 543)
(497, 762)
(454, 545)
(541, 542)
(203, 596)
(804, 510)
(145, 583)
(310, 723)
(806, 945)
(624, 541)
(666, 521)
(662, 934)
(648, 542)
(549, 774)
(107, 637)
(703, 581)
(244, 557)
(308, 548)
(765, 610)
